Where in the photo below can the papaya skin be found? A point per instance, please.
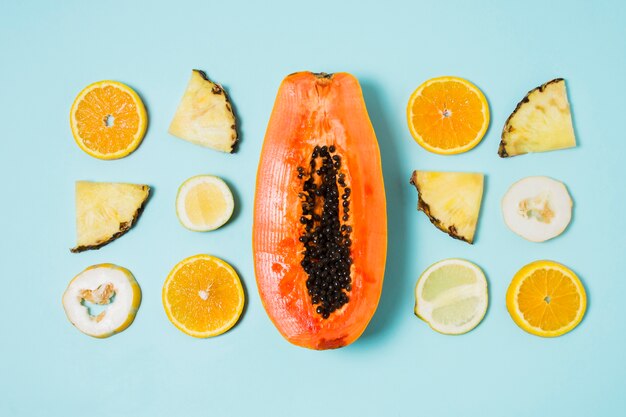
(316, 110)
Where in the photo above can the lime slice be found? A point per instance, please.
(451, 296)
(204, 203)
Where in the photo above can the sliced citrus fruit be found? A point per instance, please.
(203, 296)
(108, 120)
(546, 299)
(204, 203)
(448, 115)
(451, 296)
(108, 288)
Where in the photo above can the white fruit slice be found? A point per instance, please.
(204, 203)
(452, 296)
(205, 116)
(108, 287)
(537, 208)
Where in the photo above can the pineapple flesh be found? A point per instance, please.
(205, 116)
(451, 200)
(105, 211)
(541, 122)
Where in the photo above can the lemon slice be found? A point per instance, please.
(451, 296)
(204, 203)
(106, 287)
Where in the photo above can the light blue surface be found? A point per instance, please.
(51, 50)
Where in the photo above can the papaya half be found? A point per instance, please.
(320, 220)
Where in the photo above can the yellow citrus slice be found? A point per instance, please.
(448, 115)
(108, 120)
(452, 296)
(546, 299)
(203, 296)
(204, 203)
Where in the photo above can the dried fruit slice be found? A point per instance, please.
(204, 203)
(205, 116)
(537, 208)
(541, 122)
(451, 200)
(108, 120)
(451, 296)
(448, 115)
(546, 299)
(106, 287)
(203, 296)
(105, 211)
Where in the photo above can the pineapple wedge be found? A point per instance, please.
(451, 200)
(541, 122)
(205, 116)
(105, 211)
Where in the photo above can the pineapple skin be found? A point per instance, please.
(450, 230)
(123, 227)
(180, 126)
(508, 146)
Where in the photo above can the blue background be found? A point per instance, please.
(51, 50)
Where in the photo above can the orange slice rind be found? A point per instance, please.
(546, 299)
(448, 115)
(203, 296)
(108, 120)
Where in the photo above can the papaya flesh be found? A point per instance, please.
(320, 222)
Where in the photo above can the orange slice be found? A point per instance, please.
(203, 296)
(546, 299)
(108, 120)
(448, 115)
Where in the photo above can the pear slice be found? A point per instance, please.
(537, 208)
(108, 287)
(541, 122)
(451, 200)
(205, 116)
(105, 211)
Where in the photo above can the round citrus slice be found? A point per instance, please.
(204, 203)
(546, 299)
(108, 120)
(451, 296)
(102, 300)
(448, 115)
(203, 296)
